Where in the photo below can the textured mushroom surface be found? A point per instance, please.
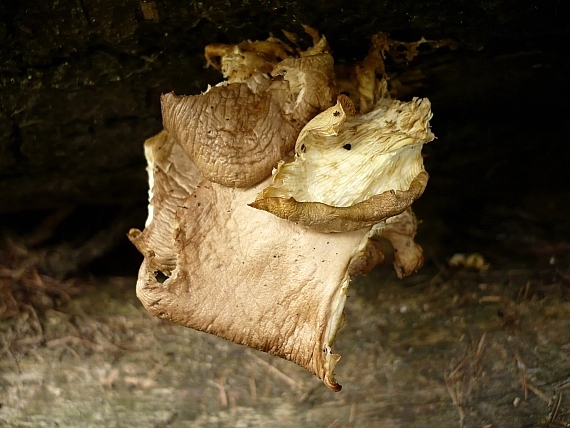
(241, 253)
(354, 171)
(241, 273)
(238, 130)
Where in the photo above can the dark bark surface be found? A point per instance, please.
(80, 80)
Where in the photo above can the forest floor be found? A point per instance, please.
(450, 346)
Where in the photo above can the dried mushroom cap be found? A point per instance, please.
(245, 275)
(237, 131)
(352, 172)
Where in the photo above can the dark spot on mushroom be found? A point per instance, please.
(347, 146)
(303, 148)
(336, 114)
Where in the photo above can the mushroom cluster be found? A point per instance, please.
(269, 191)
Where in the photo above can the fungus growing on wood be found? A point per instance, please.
(274, 278)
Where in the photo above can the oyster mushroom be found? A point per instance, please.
(243, 126)
(265, 275)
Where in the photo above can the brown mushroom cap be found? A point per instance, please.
(237, 131)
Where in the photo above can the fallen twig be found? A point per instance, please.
(274, 370)
(456, 395)
(521, 367)
(538, 392)
(222, 394)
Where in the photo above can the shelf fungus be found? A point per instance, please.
(263, 259)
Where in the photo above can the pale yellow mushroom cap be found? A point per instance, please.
(364, 168)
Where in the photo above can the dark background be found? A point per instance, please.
(80, 82)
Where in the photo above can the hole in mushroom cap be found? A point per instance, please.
(160, 277)
(347, 146)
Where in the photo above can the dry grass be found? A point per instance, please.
(25, 295)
